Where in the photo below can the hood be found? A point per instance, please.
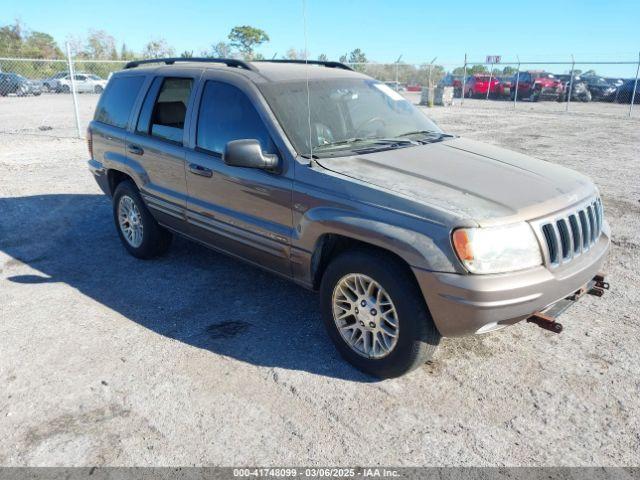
(469, 179)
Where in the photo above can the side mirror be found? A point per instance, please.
(248, 154)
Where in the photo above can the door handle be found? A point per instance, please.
(135, 149)
(200, 170)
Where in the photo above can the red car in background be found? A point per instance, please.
(477, 86)
(537, 86)
(504, 87)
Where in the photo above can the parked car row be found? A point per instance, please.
(21, 86)
(13, 83)
(540, 85)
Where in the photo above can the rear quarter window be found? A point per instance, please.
(117, 101)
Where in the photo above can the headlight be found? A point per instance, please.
(497, 249)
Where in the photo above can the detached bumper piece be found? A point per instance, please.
(547, 318)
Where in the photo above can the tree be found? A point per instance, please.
(471, 70)
(246, 38)
(126, 54)
(41, 45)
(101, 46)
(509, 71)
(221, 50)
(293, 54)
(323, 58)
(11, 40)
(187, 54)
(357, 56)
(158, 49)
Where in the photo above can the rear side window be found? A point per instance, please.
(117, 101)
(227, 114)
(165, 108)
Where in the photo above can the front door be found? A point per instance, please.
(243, 211)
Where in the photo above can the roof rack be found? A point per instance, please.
(229, 62)
(310, 62)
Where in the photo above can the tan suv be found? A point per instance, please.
(332, 179)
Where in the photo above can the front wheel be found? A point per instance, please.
(139, 232)
(376, 315)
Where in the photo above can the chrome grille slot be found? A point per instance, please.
(565, 239)
(576, 232)
(572, 233)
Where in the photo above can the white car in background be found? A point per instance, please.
(85, 83)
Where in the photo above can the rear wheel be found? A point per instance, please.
(139, 232)
(98, 89)
(376, 315)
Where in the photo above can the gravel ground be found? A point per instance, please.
(197, 359)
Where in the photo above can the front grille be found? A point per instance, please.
(572, 234)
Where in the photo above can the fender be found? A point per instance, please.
(427, 250)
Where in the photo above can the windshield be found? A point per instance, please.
(345, 113)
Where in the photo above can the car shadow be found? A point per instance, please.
(191, 294)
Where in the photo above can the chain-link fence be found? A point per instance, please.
(58, 97)
(51, 97)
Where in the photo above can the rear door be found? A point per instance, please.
(155, 149)
(243, 211)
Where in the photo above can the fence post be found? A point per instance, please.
(464, 79)
(573, 66)
(515, 95)
(635, 85)
(490, 78)
(74, 94)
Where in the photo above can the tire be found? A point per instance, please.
(416, 335)
(470, 94)
(65, 89)
(98, 89)
(153, 239)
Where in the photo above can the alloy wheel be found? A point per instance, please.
(130, 221)
(365, 316)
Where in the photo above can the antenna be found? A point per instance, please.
(306, 61)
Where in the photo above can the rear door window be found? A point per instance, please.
(227, 114)
(117, 101)
(169, 110)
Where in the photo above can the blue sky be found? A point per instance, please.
(417, 30)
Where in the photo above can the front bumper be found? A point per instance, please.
(468, 304)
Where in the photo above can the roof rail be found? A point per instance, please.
(310, 62)
(229, 62)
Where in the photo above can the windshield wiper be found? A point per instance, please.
(340, 142)
(433, 136)
(371, 141)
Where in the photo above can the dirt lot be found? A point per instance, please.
(197, 359)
